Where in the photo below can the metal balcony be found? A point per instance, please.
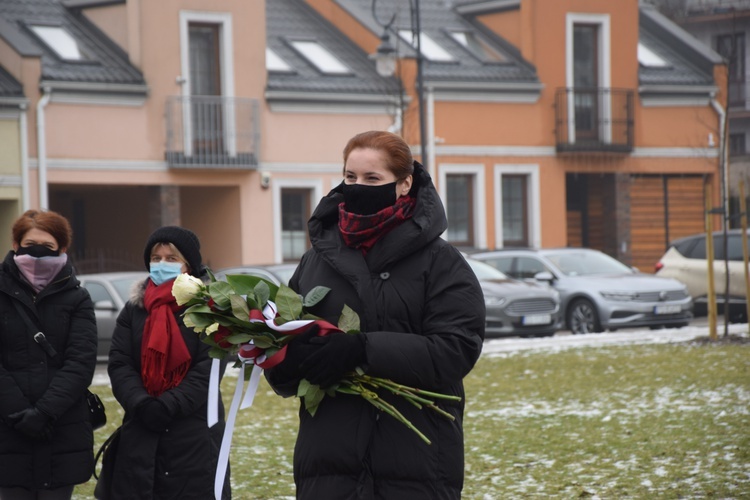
(212, 132)
(594, 120)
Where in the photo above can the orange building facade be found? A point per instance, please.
(567, 123)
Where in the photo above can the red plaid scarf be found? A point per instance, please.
(165, 359)
(363, 231)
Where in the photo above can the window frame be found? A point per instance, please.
(277, 185)
(479, 205)
(533, 198)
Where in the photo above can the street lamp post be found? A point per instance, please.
(385, 63)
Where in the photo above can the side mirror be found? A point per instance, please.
(544, 276)
(104, 305)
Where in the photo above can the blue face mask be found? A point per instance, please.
(161, 272)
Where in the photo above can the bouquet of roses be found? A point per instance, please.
(254, 319)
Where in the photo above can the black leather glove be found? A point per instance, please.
(298, 349)
(339, 353)
(153, 415)
(33, 423)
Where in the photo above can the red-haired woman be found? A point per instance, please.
(46, 440)
(376, 244)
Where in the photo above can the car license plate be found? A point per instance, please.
(667, 309)
(537, 319)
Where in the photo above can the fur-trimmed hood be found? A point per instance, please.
(137, 291)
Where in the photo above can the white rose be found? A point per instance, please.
(186, 288)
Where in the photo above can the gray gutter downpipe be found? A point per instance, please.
(24, 134)
(41, 147)
(724, 157)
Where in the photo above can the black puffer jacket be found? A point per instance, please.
(422, 311)
(57, 386)
(179, 463)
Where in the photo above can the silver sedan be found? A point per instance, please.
(597, 292)
(515, 307)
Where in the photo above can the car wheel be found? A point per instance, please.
(583, 318)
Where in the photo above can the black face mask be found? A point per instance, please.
(37, 251)
(362, 199)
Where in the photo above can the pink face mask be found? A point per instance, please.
(40, 271)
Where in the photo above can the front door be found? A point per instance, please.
(586, 82)
(205, 89)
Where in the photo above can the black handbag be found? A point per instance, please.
(107, 452)
(97, 411)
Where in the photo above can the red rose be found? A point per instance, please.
(221, 334)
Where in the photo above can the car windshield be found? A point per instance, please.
(284, 274)
(587, 263)
(123, 286)
(485, 272)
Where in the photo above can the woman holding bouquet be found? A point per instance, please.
(159, 371)
(376, 244)
(46, 440)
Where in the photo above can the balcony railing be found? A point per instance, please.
(594, 119)
(212, 131)
(737, 94)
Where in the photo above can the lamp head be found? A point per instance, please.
(385, 56)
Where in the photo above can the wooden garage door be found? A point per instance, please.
(662, 209)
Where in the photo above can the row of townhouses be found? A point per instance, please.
(543, 123)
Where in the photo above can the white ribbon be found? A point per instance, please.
(226, 442)
(213, 394)
(238, 400)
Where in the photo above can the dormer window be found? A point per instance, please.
(429, 47)
(649, 58)
(61, 42)
(320, 57)
(275, 63)
(477, 46)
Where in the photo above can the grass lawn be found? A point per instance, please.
(643, 421)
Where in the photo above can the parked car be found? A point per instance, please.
(276, 273)
(685, 260)
(515, 307)
(598, 292)
(109, 292)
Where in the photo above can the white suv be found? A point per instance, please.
(685, 260)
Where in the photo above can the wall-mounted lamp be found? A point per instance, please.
(265, 179)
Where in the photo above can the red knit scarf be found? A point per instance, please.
(165, 359)
(363, 231)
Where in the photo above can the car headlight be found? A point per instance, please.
(494, 301)
(622, 296)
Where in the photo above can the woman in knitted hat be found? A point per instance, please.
(159, 371)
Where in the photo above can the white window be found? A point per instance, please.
(463, 195)
(477, 46)
(293, 202)
(320, 57)
(276, 63)
(430, 48)
(648, 58)
(517, 206)
(62, 42)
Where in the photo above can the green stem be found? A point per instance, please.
(383, 382)
(384, 406)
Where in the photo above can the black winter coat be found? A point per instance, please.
(63, 311)
(422, 311)
(179, 463)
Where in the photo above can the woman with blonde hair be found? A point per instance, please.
(160, 372)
